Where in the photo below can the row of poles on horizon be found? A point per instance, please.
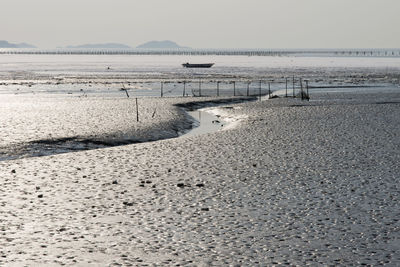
(195, 52)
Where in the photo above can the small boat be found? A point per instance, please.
(202, 65)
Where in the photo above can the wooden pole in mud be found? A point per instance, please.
(126, 91)
(286, 87)
(234, 88)
(184, 88)
(199, 86)
(218, 88)
(293, 87)
(269, 90)
(137, 110)
(259, 90)
(301, 90)
(162, 93)
(308, 96)
(248, 87)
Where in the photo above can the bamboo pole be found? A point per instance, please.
(301, 90)
(308, 95)
(293, 87)
(199, 86)
(126, 91)
(137, 110)
(269, 90)
(286, 87)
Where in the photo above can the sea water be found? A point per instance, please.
(163, 75)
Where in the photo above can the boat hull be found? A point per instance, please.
(202, 65)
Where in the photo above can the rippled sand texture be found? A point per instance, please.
(299, 183)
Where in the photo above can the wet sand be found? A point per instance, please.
(46, 125)
(293, 183)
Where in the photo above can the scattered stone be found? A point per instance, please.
(205, 209)
(40, 196)
(169, 170)
(148, 182)
(200, 185)
(181, 185)
(126, 203)
(115, 182)
(13, 171)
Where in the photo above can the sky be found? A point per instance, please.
(271, 24)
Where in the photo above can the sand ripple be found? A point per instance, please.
(295, 183)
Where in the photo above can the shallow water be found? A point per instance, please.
(205, 123)
(106, 75)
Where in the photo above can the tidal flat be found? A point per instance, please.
(294, 182)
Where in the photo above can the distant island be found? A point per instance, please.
(160, 45)
(97, 46)
(5, 44)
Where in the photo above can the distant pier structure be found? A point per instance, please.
(214, 52)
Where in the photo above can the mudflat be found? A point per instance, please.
(293, 183)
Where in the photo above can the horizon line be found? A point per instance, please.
(209, 48)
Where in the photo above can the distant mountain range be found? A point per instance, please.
(149, 45)
(107, 45)
(5, 44)
(160, 45)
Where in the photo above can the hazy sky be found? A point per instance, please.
(204, 23)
